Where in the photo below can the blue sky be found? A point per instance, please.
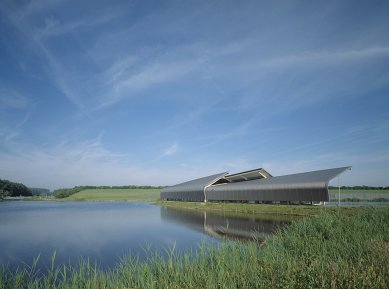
(159, 92)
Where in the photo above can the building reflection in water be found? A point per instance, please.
(222, 226)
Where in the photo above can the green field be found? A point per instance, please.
(128, 195)
(347, 195)
(348, 191)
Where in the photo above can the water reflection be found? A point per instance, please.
(104, 232)
(223, 226)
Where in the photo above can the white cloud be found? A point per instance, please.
(89, 163)
(132, 75)
(64, 164)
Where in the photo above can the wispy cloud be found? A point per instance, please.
(21, 22)
(12, 99)
(16, 111)
(325, 58)
(170, 150)
(126, 79)
(67, 163)
(54, 27)
(188, 85)
(66, 80)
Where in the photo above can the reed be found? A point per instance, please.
(331, 250)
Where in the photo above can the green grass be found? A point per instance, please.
(348, 191)
(355, 199)
(258, 209)
(365, 195)
(328, 251)
(129, 195)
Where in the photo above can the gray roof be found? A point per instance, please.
(314, 177)
(323, 176)
(191, 190)
(195, 184)
(309, 186)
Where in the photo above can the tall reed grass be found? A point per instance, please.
(327, 251)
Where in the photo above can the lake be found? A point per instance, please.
(106, 231)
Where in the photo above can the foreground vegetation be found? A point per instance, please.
(329, 251)
(128, 195)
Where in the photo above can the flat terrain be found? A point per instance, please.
(128, 195)
(360, 195)
(152, 195)
(345, 191)
(259, 209)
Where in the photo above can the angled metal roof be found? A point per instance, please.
(197, 183)
(191, 190)
(307, 177)
(309, 186)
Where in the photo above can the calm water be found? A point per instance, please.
(103, 232)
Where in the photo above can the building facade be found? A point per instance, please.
(255, 186)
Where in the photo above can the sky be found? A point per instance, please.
(160, 92)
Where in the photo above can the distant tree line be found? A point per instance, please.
(11, 189)
(359, 188)
(40, 191)
(66, 192)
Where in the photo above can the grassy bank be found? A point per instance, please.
(355, 199)
(259, 209)
(129, 195)
(360, 195)
(359, 191)
(328, 251)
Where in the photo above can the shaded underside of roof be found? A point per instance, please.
(309, 186)
(248, 175)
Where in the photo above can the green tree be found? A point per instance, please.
(40, 191)
(14, 189)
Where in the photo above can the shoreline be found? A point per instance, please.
(261, 209)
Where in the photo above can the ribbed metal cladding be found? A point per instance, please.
(310, 186)
(192, 191)
(275, 193)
